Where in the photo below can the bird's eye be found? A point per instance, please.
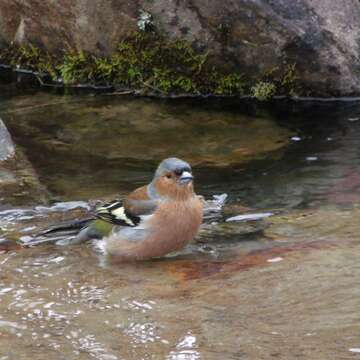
(178, 172)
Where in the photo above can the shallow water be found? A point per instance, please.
(283, 287)
(90, 145)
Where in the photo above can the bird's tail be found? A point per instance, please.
(65, 230)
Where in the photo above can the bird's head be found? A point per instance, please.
(173, 179)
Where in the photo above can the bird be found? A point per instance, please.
(152, 221)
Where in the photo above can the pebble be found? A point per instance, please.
(250, 217)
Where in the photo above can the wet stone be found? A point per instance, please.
(7, 147)
(19, 184)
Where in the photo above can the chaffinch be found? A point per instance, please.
(153, 220)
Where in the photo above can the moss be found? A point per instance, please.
(229, 84)
(148, 62)
(75, 68)
(289, 80)
(276, 81)
(263, 90)
(29, 57)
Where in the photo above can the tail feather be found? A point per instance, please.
(66, 230)
(72, 225)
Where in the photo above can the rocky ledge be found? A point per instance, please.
(251, 37)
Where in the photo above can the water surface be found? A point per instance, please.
(284, 287)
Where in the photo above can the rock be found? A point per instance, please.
(95, 26)
(249, 217)
(252, 37)
(19, 183)
(7, 148)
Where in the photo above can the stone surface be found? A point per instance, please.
(251, 36)
(19, 183)
(7, 148)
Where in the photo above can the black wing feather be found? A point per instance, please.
(115, 213)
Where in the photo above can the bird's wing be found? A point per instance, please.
(116, 214)
(139, 203)
(136, 206)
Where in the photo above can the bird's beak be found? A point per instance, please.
(186, 177)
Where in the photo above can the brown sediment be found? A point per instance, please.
(192, 270)
(9, 245)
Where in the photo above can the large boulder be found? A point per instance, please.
(250, 36)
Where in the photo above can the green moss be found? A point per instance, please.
(145, 60)
(229, 84)
(263, 90)
(29, 57)
(74, 67)
(148, 62)
(289, 80)
(276, 81)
